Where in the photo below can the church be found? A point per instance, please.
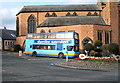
(91, 21)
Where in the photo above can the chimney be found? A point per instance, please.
(5, 28)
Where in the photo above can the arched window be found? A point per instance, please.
(74, 14)
(89, 14)
(95, 14)
(100, 35)
(31, 24)
(17, 27)
(54, 14)
(42, 31)
(107, 40)
(47, 14)
(87, 40)
(68, 14)
(49, 31)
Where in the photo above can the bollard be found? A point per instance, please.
(20, 53)
(67, 58)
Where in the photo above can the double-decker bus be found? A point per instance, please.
(58, 44)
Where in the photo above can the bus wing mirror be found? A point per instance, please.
(30, 46)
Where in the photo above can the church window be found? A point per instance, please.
(54, 15)
(42, 31)
(47, 14)
(87, 40)
(106, 37)
(89, 14)
(31, 24)
(95, 14)
(17, 26)
(68, 14)
(100, 35)
(74, 14)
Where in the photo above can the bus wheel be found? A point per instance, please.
(34, 53)
(61, 55)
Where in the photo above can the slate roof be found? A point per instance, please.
(7, 34)
(52, 8)
(74, 20)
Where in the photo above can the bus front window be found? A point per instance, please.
(76, 48)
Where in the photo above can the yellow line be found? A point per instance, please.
(53, 54)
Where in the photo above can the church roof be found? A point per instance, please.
(52, 8)
(74, 20)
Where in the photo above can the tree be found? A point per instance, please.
(17, 48)
(88, 47)
(113, 48)
(97, 47)
(98, 43)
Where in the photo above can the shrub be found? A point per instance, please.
(88, 47)
(105, 51)
(104, 48)
(98, 43)
(113, 48)
(17, 48)
(11, 49)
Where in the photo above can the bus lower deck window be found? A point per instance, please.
(44, 47)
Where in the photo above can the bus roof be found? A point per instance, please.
(53, 35)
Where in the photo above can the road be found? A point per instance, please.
(15, 68)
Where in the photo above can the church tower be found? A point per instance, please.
(111, 15)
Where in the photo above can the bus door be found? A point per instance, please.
(59, 46)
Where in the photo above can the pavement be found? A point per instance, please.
(79, 64)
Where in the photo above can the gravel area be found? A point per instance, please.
(87, 64)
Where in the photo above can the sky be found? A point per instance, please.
(9, 8)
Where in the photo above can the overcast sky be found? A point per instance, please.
(9, 8)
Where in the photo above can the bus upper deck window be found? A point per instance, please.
(76, 36)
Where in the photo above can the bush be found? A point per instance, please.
(88, 47)
(113, 48)
(98, 43)
(105, 51)
(17, 48)
(11, 49)
(104, 48)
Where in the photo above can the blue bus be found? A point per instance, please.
(58, 44)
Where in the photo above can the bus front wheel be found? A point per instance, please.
(34, 53)
(61, 55)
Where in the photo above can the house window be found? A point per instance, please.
(100, 35)
(6, 43)
(31, 24)
(106, 37)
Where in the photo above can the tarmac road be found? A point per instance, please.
(15, 68)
